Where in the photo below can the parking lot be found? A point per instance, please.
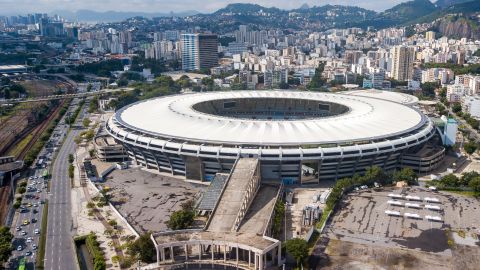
(28, 222)
(363, 219)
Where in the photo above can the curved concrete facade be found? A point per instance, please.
(297, 136)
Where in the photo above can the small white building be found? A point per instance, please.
(449, 134)
(472, 105)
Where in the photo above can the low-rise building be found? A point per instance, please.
(108, 150)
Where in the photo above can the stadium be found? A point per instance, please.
(298, 137)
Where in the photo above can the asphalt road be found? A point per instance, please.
(59, 252)
(32, 201)
(474, 133)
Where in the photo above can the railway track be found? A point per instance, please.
(4, 197)
(38, 131)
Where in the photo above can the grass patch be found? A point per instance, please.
(467, 193)
(313, 241)
(38, 145)
(20, 146)
(43, 238)
(323, 219)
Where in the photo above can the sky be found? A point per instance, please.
(24, 6)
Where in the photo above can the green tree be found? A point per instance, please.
(122, 82)
(428, 89)
(70, 158)
(374, 174)
(17, 205)
(470, 147)
(143, 248)
(450, 180)
(71, 171)
(21, 190)
(317, 80)
(112, 222)
(457, 107)
(468, 176)
(297, 248)
(406, 174)
(5, 244)
(283, 85)
(181, 220)
(86, 122)
(475, 184)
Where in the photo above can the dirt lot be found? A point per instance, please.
(362, 236)
(348, 255)
(363, 219)
(146, 199)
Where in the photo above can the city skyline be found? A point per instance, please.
(10, 7)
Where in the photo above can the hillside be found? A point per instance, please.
(400, 14)
(259, 17)
(464, 8)
(456, 26)
(447, 3)
(319, 18)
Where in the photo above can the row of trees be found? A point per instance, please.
(94, 249)
(102, 68)
(458, 110)
(457, 69)
(163, 85)
(468, 181)
(372, 175)
(37, 147)
(9, 89)
(6, 248)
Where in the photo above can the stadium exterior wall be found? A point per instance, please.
(202, 162)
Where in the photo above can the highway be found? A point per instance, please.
(59, 247)
(32, 203)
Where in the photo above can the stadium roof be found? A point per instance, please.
(386, 95)
(173, 117)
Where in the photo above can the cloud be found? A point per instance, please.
(25, 6)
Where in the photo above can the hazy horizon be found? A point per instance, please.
(13, 7)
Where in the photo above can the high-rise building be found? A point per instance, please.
(199, 51)
(430, 35)
(402, 67)
(51, 29)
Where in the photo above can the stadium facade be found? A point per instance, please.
(297, 136)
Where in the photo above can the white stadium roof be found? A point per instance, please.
(173, 117)
(386, 95)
